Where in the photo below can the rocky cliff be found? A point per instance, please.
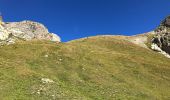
(10, 32)
(161, 40)
(157, 40)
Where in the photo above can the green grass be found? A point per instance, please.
(96, 68)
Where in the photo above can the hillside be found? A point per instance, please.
(101, 67)
(36, 65)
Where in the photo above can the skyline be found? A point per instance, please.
(76, 19)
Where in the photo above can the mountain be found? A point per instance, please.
(93, 68)
(25, 30)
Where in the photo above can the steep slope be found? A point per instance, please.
(101, 67)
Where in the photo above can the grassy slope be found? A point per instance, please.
(93, 68)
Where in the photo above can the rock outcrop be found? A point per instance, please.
(162, 37)
(25, 30)
(166, 22)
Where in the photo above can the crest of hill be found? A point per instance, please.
(157, 40)
(140, 39)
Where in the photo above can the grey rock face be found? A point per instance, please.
(162, 37)
(25, 30)
(166, 22)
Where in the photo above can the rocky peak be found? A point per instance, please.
(25, 30)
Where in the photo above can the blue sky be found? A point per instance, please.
(72, 19)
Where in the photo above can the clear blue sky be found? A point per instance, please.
(72, 19)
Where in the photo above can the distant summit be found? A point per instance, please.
(24, 30)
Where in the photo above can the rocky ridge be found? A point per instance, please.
(10, 32)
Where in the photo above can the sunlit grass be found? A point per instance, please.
(92, 68)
